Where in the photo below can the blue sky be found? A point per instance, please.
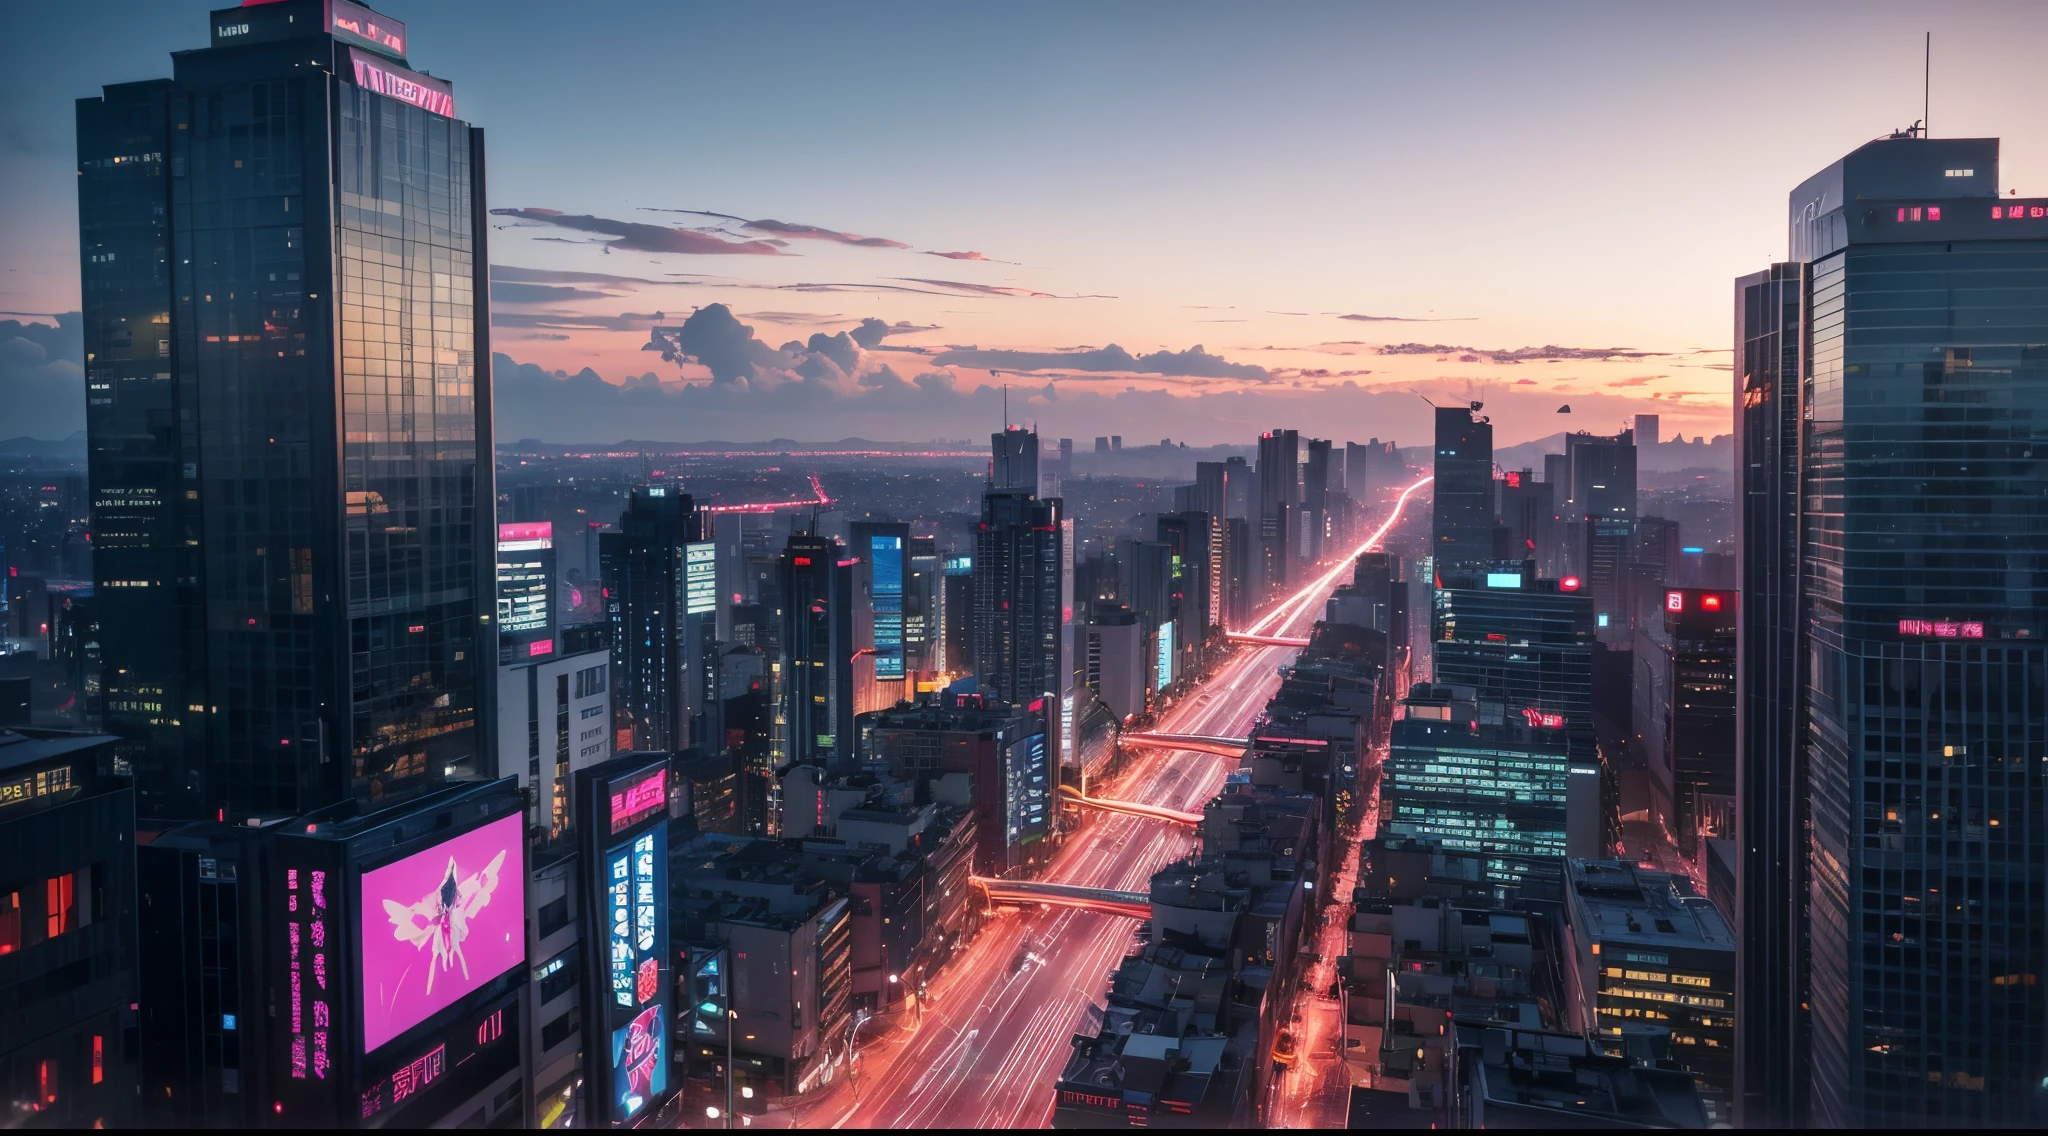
(1589, 176)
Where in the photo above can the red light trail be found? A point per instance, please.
(817, 498)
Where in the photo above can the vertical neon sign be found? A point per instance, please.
(312, 1018)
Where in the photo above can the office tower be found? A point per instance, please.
(980, 752)
(1700, 626)
(1647, 431)
(1315, 501)
(646, 569)
(1239, 563)
(526, 590)
(1019, 555)
(1014, 460)
(1372, 469)
(956, 616)
(68, 948)
(1527, 517)
(555, 718)
(289, 429)
(1101, 444)
(1114, 660)
(921, 596)
(1599, 520)
(1116, 442)
(817, 652)
(1063, 469)
(1279, 508)
(1920, 648)
(1461, 522)
(880, 664)
(1478, 773)
(1771, 808)
(1196, 543)
(1524, 641)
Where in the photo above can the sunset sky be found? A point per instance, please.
(1289, 215)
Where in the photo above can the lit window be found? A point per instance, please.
(62, 895)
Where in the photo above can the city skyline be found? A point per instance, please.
(1325, 252)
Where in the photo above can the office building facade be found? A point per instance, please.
(1461, 522)
(289, 417)
(817, 705)
(1922, 564)
(658, 653)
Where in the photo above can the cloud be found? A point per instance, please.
(42, 378)
(1525, 382)
(577, 321)
(510, 292)
(632, 236)
(1636, 380)
(872, 331)
(1400, 319)
(721, 343)
(956, 255)
(518, 274)
(1193, 362)
(815, 233)
(995, 289)
(791, 229)
(1547, 354)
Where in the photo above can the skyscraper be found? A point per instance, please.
(658, 650)
(1019, 571)
(1461, 522)
(817, 652)
(1771, 810)
(1599, 520)
(289, 431)
(1014, 460)
(1917, 638)
(1523, 641)
(1315, 501)
(1279, 509)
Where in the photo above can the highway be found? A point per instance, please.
(995, 1032)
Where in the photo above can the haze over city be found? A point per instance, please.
(1154, 220)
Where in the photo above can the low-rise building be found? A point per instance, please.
(1648, 952)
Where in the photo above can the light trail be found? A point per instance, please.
(1291, 607)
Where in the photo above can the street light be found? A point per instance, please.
(711, 1110)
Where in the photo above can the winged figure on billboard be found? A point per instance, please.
(441, 918)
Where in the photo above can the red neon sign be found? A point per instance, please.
(2015, 212)
(540, 647)
(1710, 603)
(1674, 601)
(1514, 479)
(800, 561)
(1911, 213)
(1568, 584)
(1539, 718)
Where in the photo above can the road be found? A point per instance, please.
(993, 1038)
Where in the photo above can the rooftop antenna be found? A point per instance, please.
(1926, 82)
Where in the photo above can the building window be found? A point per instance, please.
(10, 922)
(61, 895)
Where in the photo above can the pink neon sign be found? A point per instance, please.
(1940, 629)
(640, 800)
(353, 21)
(430, 95)
(306, 933)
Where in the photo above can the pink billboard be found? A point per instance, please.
(439, 924)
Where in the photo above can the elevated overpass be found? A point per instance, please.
(1136, 904)
(1201, 743)
(1131, 808)
(1267, 640)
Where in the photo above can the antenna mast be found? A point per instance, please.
(1926, 83)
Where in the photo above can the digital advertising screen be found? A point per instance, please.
(1163, 669)
(636, 946)
(885, 561)
(526, 569)
(700, 577)
(439, 924)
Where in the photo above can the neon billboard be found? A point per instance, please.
(636, 945)
(429, 94)
(439, 924)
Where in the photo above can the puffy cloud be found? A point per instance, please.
(42, 378)
(872, 331)
(637, 237)
(1192, 363)
(725, 345)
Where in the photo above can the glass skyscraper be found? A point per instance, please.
(1923, 604)
(283, 263)
(1524, 641)
(1461, 517)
